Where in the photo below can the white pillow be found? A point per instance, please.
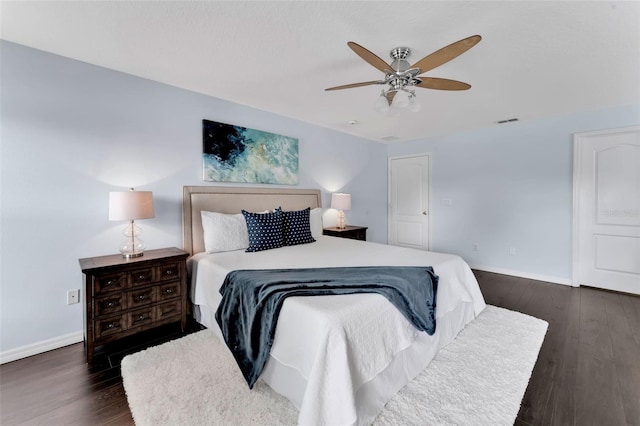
(315, 219)
(224, 232)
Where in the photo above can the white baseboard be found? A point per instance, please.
(537, 277)
(40, 347)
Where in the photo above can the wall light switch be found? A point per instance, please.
(447, 202)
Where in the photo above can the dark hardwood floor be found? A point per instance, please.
(588, 369)
(587, 373)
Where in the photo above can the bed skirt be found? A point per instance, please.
(373, 395)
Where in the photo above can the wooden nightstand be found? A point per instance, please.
(352, 232)
(123, 297)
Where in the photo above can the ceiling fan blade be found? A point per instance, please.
(446, 54)
(390, 95)
(442, 84)
(371, 58)
(350, 86)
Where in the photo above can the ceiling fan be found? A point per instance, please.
(401, 77)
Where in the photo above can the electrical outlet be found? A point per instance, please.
(475, 246)
(512, 251)
(73, 296)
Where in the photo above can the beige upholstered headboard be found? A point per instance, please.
(232, 200)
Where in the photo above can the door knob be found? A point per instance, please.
(424, 212)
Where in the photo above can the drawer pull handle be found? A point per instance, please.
(141, 317)
(110, 305)
(141, 297)
(111, 325)
(141, 277)
(110, 282)
(168, 291)
(169, 272)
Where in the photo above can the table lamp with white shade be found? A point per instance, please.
(131, 205)
(340, 202)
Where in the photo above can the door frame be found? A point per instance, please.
(399, 157)
(578, 138)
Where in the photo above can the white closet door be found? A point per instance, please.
(607, 183)
(409, 201)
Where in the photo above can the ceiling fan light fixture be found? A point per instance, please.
(394, 100)
(401, 99)
(393, 111)
(414, 104)
(381, 104)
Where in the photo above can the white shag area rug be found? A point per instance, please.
(478, 379)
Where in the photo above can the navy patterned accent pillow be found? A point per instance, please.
(297, 228)
(264, 229)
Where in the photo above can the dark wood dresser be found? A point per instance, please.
(123, 297)
(353, 232)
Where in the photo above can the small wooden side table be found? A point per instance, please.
(352, 232)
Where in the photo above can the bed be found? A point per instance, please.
(338, 359)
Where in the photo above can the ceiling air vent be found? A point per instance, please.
(509, 120)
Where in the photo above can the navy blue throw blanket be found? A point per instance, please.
(252, 299)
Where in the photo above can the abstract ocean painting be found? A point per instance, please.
(237, 154)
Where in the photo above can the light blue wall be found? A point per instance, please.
(511, 186)
(72, 132)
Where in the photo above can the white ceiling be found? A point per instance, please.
(536, 59)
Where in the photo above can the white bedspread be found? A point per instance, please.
(338, 343)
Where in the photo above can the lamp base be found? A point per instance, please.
(132, 255)
(341, 224)
(133, 246)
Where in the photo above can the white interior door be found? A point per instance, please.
(607, 209)
(409, 201)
